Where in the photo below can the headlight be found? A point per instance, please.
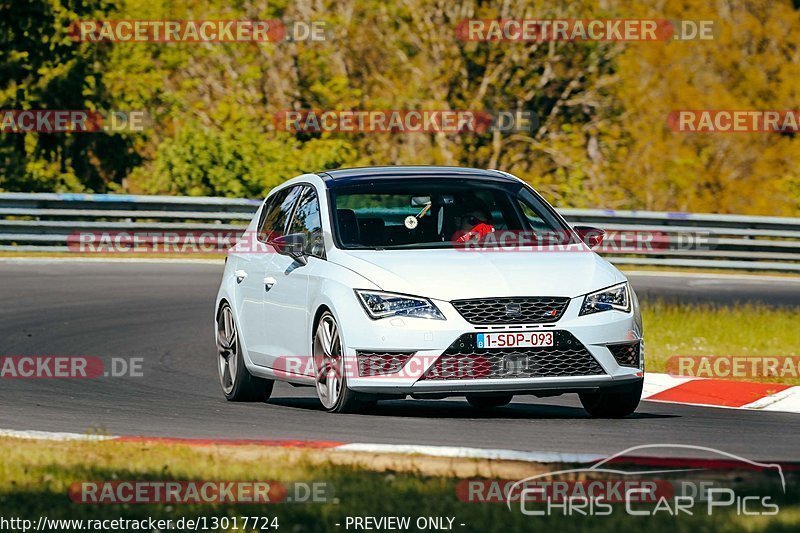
(615, 297)
(382, 304)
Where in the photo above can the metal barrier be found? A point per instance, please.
(39, 222)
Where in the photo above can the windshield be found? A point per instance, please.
(435, 213)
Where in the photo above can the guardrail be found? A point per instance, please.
(40, 222)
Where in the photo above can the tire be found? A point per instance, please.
(612, 404)
(238, 384)
(489, 402)
(330, 372)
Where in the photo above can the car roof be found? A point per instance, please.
(346, 176)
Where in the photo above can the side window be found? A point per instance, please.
(276, 212)
(307, 221)
(263, 235)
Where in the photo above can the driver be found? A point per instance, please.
(473, 219)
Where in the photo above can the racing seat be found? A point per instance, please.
(348, 227)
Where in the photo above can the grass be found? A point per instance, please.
(704, 329)
(35, 477)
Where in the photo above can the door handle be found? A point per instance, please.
(240, 275)
(268, 283)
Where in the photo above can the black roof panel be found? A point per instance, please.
(350, 175)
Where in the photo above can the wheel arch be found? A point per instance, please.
(222, 301)
(321, 308)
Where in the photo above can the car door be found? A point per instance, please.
(287, 302)
(253, 269)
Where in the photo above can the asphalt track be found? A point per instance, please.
(162, 313)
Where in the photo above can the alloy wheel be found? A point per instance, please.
(227, 350)
(328, 362)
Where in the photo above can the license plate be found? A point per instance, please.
(528, 339)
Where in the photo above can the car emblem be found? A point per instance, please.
(514, 366)
(513, 310)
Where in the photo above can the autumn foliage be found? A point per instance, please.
(602, 135)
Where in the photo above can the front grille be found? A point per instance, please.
(516, 310)
(380, 363)
(626, 354)
(464, 360)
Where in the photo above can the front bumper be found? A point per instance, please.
(430, 339)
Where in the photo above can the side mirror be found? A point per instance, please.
(293, 245)
(590, 235)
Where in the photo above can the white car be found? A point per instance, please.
(429, 282)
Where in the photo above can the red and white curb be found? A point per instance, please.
(721, 393)
(657, 388)
(449, 452)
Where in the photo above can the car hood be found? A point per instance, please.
(452, 274)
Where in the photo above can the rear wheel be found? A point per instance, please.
(238, 384)
(330, 374)
(612, 404)
(488, 402)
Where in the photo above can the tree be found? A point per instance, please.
(42, 67)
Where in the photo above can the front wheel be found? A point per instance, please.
(612, 404)
(238, 384)
(330, 371)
